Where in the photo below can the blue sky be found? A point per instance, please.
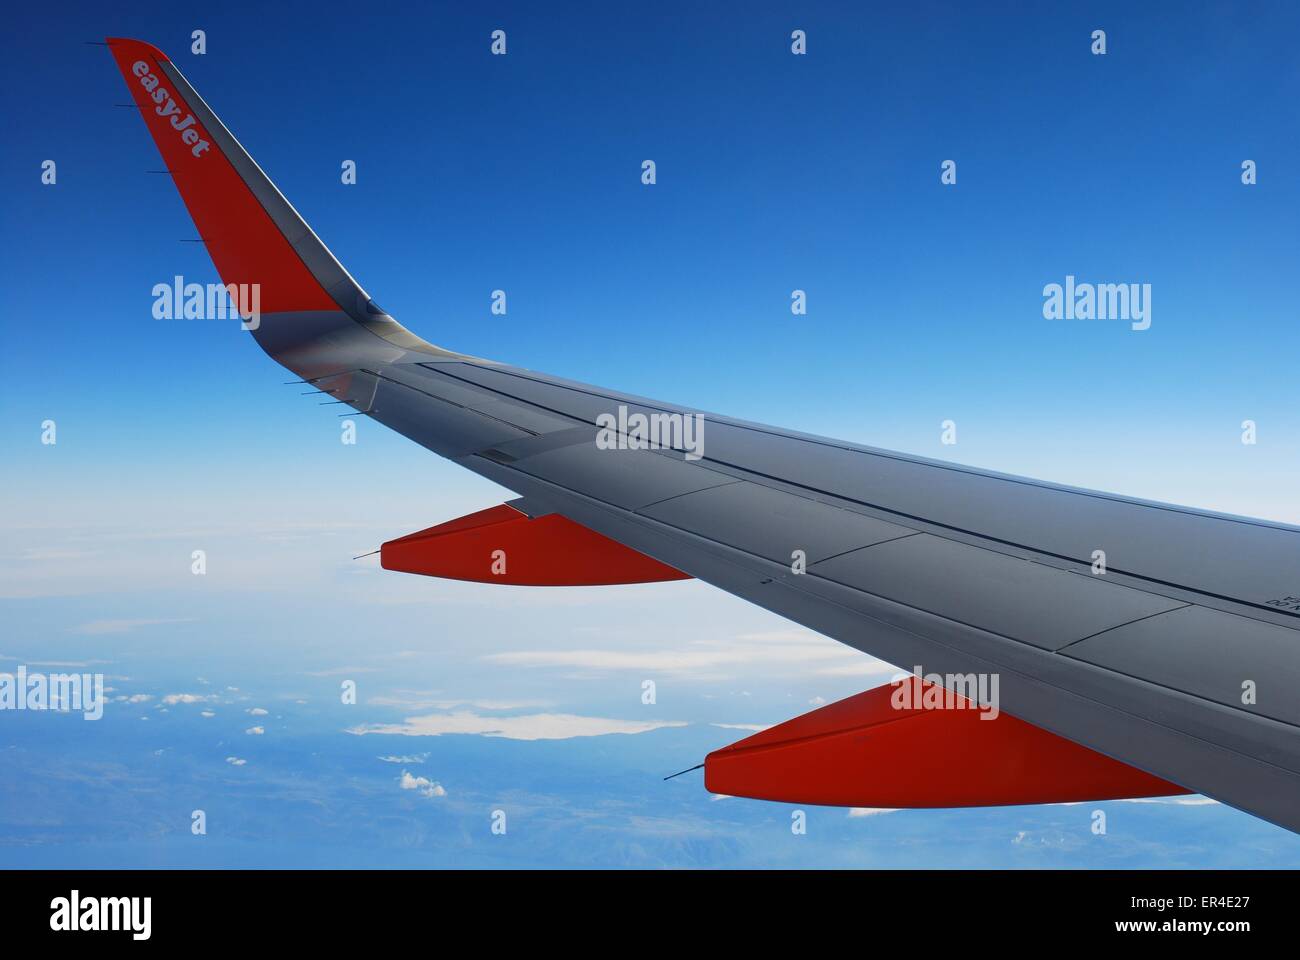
(522, 173)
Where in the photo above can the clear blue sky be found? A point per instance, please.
(522, 172)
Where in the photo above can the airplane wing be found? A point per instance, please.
(1179, 663)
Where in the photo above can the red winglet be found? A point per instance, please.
(245, 244)
(502, 545)
(865, 752)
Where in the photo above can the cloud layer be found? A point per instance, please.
(535, 726)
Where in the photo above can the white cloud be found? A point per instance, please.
(755, 727)
(708, 659)
(864, 666)
(1183, 801)
(419, 700)
(1046, 839)
(411, 758)
(235, 761)
(255, 731)
(173, 698)
(341, 671)
(207, 713)
(257, 711)
(537, 726)
(817, 701)
(59, 663)
(427, 787)
(97, 627)
(42, 554)
(870, 811)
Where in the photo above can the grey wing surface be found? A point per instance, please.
(1181, 659)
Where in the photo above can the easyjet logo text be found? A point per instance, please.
(166, 107)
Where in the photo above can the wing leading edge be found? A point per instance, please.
(915, 561)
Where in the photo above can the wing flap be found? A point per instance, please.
(915, 744)
(505, 545)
